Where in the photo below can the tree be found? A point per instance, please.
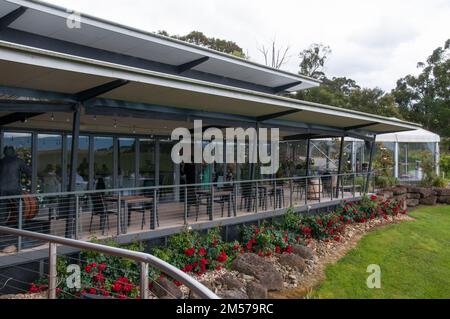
(313, 60)
(275, 56)
(200, 39)
(426, 98)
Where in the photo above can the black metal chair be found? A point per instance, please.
(99, 208)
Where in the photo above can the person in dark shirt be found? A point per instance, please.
(11, 169)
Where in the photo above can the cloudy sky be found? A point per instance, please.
(373, 42)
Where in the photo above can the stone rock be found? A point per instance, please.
(247, 277)
(387, 194)
(10, 250)
(272, 281)
(294, 261)
(256, 291)
(231, 282)
(303, 251)
(399, 190)
(442, 191)
(413, 196)
(424, 192)
(444, 200)
(252, 264)
(430, 200)
(412, 202)
(165, 288)
(232, 294)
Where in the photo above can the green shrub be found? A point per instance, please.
(445, 165)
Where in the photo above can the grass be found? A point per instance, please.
(414, 258)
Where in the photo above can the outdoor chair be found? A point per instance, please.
(277, 194)
(100, 208)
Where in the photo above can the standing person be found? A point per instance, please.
(11, 169)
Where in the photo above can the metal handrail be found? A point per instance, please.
(145, 260)
(162, 187)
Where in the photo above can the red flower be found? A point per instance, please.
(289, 249)
(188, 268)
(189, 252)
(202, 252)
(260, 254)
(203, 261)
(236, 247)
(127, 287)
(250, 245)
(219, 268)
(177, 283)
(88, 269)
(102, 267)
(123, 280)
(337, 238)
(297, 238)
(99, 278)
(341, 218)
(195, 264)
(33, 289)
(222, 257)
(278, 250)
(93, 291)
(117, 287)
(94, 265)
(105, 294)
(58, 291)
(122, 296)
(373, 198)
(256, 231)
(269, 253)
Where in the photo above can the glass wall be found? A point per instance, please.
(82, 178)
(166, 170)
(127, 163)
(413, 158)
(103, 162)
(147, 165)
(22, 143)
(49, 163)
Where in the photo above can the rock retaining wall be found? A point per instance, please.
(413, 196)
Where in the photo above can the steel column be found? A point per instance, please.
(341, 155)
(369, 171)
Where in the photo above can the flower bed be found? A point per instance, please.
(201, 254)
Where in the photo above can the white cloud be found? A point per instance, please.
(374, 42)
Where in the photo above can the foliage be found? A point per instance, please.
(445, 165)
(313, 60)
(425, 98)
(430, 178)
(197, 253)
(414, 259)
(198, 38)
(385, 181)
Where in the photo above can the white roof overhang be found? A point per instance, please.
(51, 21)
(38, 69)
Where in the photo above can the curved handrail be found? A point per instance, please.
(198, 288)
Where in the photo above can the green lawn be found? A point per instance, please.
(414, 258)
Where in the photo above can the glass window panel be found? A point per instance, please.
(82, 178)
(166, 175)
(49, 163)
(127, 163)
(103, 162)
(22, 144)
(146, 162)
